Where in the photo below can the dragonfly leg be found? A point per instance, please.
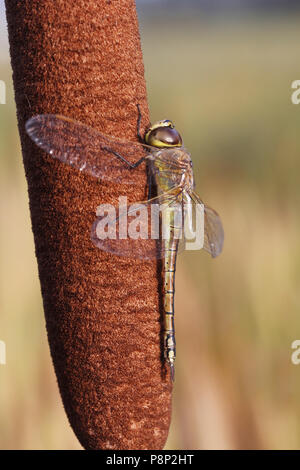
(118, 155)
(150, 182)
(139, 124)
(139, 135)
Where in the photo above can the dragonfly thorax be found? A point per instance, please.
(173, 168)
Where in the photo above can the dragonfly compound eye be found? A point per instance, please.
(163, 136)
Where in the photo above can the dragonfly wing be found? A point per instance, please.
(135, 232)
(213, 229)
(213, 232)
(86, 149)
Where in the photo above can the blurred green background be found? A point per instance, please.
(225, 80)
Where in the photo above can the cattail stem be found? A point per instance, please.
(83, 59)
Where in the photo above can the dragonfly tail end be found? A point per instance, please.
(172, 371)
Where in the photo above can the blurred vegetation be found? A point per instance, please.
(227, 86)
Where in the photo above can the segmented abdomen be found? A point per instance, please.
(171, 247)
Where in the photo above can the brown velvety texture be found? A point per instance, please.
(103, 313)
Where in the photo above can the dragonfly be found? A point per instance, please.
(161, 155)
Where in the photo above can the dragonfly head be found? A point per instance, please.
(163, 134)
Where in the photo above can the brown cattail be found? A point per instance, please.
(103, 313)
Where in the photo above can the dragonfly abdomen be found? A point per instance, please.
(169, 291)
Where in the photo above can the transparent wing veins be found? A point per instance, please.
(213, 228)
(80, 146)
